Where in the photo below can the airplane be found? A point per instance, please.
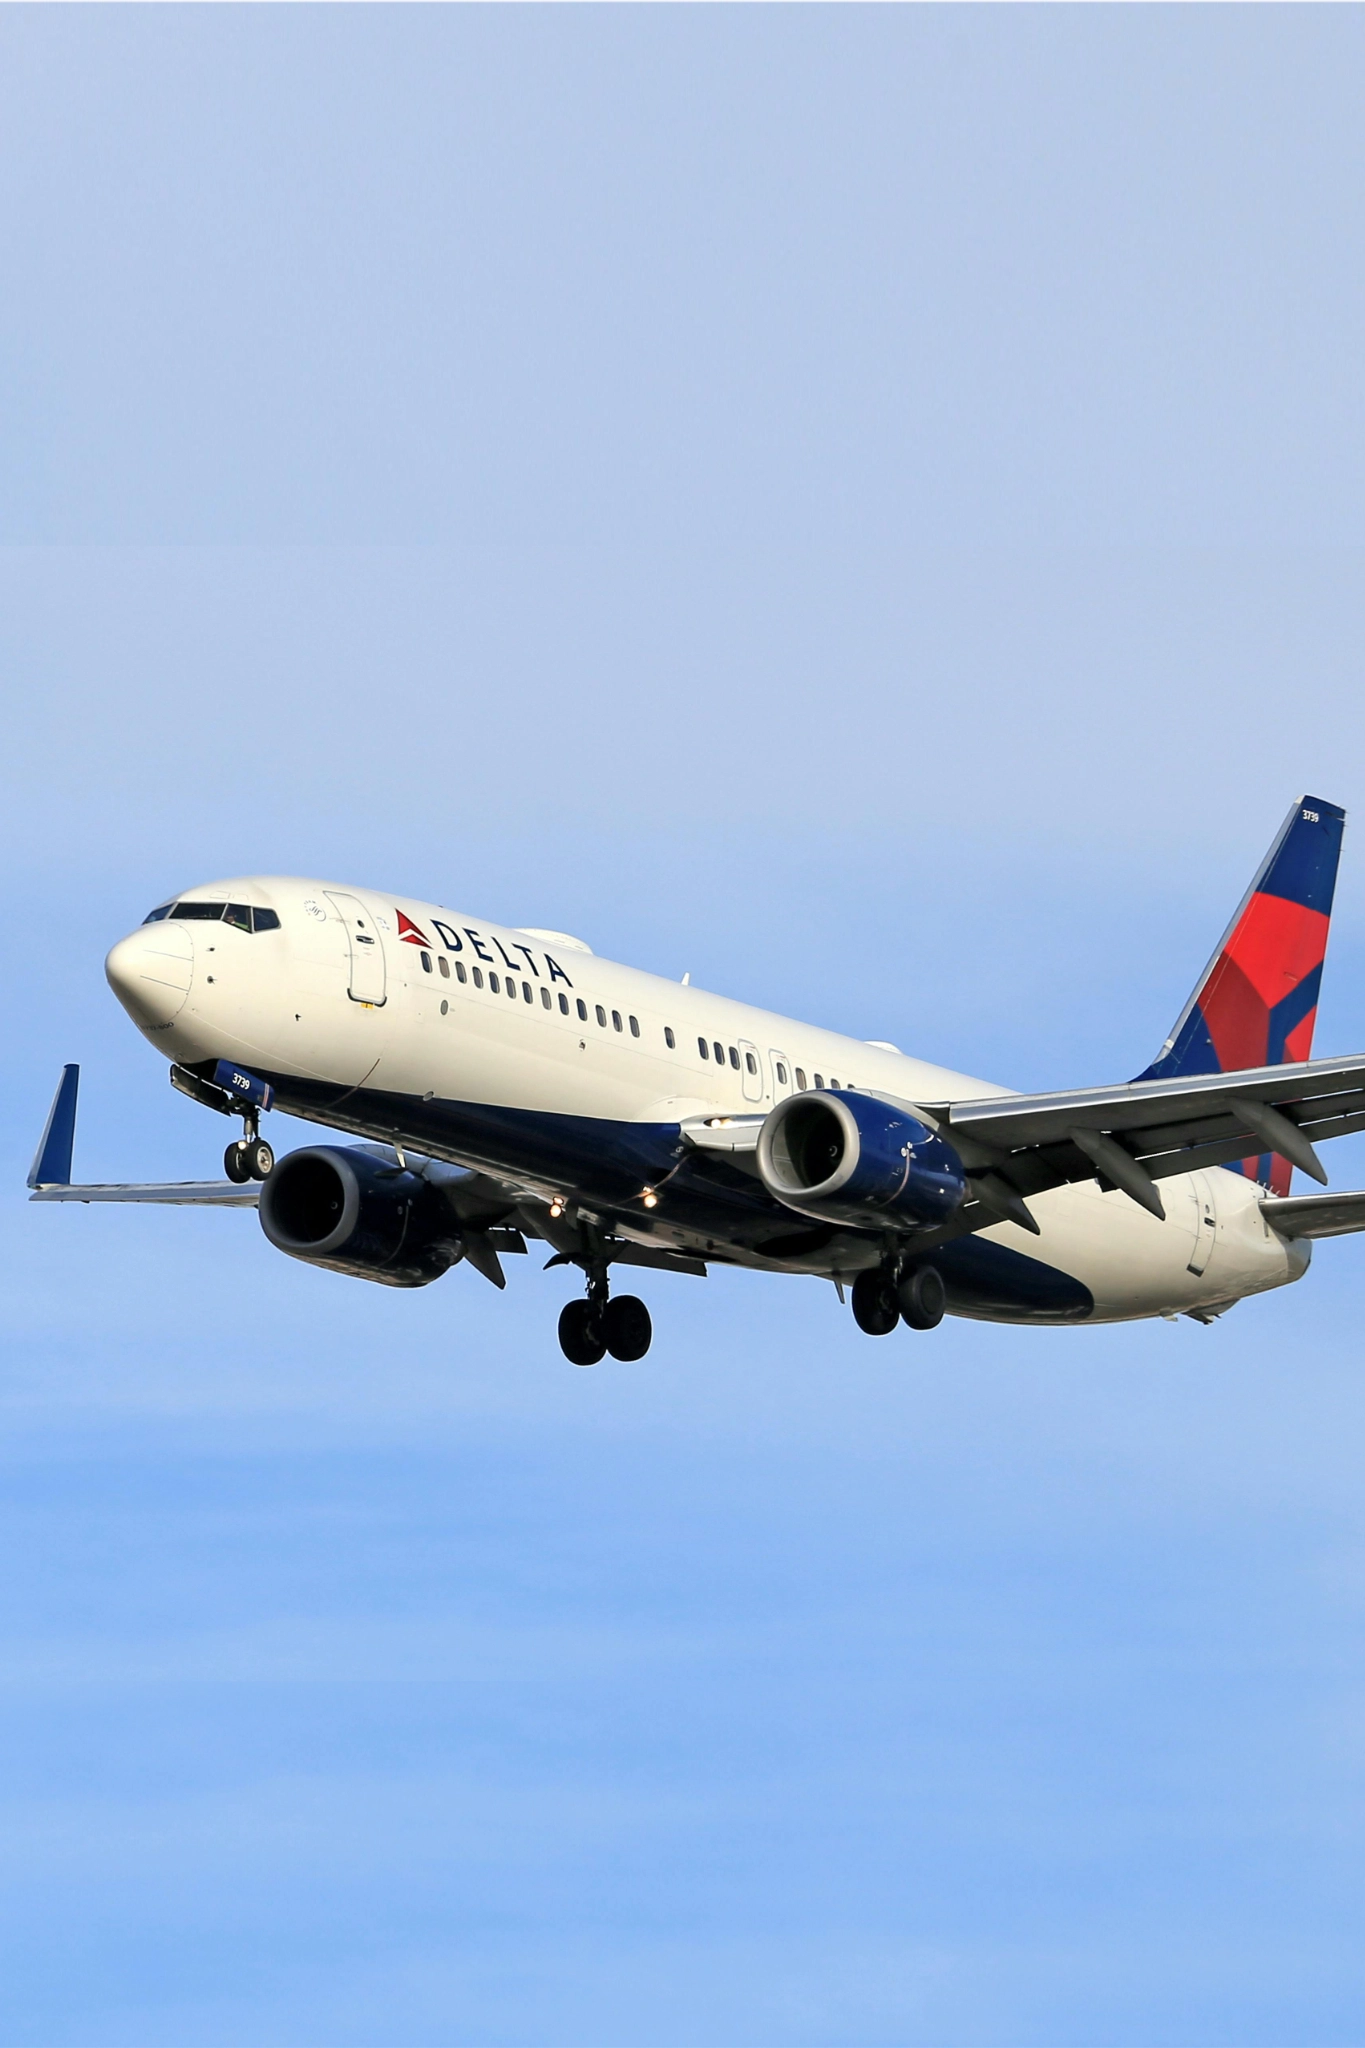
(507, 1085)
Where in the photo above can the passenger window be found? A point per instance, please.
(545, 999)
(616, 1020)
(781, 1075)
(563, 1003)
(495, 984)
(601, 1016)
(444, 966)
(703, 1049)
(800, 1077)
(155, 916)
(719, 1050)
(751, 1063)
(669, 1040)
(582, 1010)
(818, 1082)
(832, 1082)
(734, 1059)
(526, 995)
(511, 988)
(265, 920)
(635, 1027)
(459, 970)
(426, 963)
(238, 914)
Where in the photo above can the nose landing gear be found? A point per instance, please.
(233, 1092)
(248, 1157)
(589, 1329)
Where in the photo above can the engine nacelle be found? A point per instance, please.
(849, 1158)
(334, 1206)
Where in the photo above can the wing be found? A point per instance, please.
(213, 1194)
(1136, 1135)
(49, 1177)
(1315, 1215)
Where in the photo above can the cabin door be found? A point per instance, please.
(367, 983)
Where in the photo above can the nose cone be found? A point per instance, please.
(150, 973)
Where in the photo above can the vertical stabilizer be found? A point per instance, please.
(1256, 1002)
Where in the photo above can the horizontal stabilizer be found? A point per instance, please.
(1316, 1215)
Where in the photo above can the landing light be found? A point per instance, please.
(650, 1199)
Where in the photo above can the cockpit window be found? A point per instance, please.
(245, 916)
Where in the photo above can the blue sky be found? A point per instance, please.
(862, 506)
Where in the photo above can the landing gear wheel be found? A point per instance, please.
(260, 1158)
(581, 1338)
(923, 1298)
(236, 1164)
(628, 1328)
(875, 1306)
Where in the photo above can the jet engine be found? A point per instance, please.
(850, 1158)
(336, 1206)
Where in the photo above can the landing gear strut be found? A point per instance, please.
(589, 1329)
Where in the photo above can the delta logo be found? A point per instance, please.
(410, 934)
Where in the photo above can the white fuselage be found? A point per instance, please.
(460, 1011)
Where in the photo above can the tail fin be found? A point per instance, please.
(1256, 1002)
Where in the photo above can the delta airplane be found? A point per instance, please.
(506, 1085)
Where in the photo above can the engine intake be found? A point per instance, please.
(334, 1206)
(851, 1158)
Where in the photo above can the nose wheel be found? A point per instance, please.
(248, 1159)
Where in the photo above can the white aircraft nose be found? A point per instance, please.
(150, 973)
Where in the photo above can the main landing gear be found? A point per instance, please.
(882, 1297)
(589, 1329)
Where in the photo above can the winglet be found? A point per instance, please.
(52, 1161)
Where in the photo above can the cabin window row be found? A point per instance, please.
(497, 983)
(708, 1048)
(723, 1055)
